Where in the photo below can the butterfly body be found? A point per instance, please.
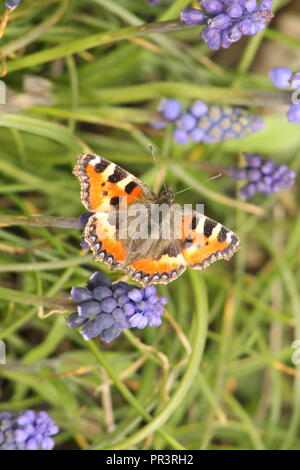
(164, 243)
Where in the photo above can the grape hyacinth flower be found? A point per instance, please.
(226, 21)
(208, 124)
(105, 309)
(30, 430)
(12, 3)
(293, 114)
(283, 77)
(263, 176)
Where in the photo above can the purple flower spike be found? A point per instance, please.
(213, 6)
(193, 16)
(75, 320)
(135, 295)
(187, 122)
(212, 124)
(268, 166)
(108, 305)
(199, 108)
(293, 114)
(105, 320)
(234, 10)
(253, 174)
(251, 5)
(170, 109)
(150, 291)
(226, 21)
(80, 294)
(92, 329)
(238, 173)
(263, 176)
(101, 292)
(138, 321)
(181, 136)
(281, 77)
(89, 309)
(157, 125)
(110, 334)
(120, 319)
(248, 190)
(12, 3)
(129, 308)
(122, 300)
(220, 22)
(118, 292)
(31, 430)
(197, 135)
(295, 80)
(99, 279)
(155, 320)
(114, 308)
(253, 160)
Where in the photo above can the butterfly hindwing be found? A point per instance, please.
(206, 241)
(101, 235)
(163, 263)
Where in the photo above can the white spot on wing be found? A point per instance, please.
(108, 171)
(123, 183)
(95, 160)
(216, 231)
(229, 237)
(200, 225)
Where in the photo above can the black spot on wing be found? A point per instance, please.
(209, 225)
(194, 223)
(118, 175)
(234, 240)
(101, 166)
(222, 235)
(115, 201)
(130, 187)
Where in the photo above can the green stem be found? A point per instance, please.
(36, 32)
(282, 38)
(40, 221)
(128, 395)
(82, 44)
(12, 295)
(219, 95)
(199, 330)
(44, 266)
(246, 420)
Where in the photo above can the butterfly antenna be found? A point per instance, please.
(205, 181)
(154, 156)
(213, 177)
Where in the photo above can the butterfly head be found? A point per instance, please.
(167, 196)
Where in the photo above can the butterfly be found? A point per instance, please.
(108, 191)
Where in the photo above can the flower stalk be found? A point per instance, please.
(40, 221)
(95, 40)
(62, 305)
